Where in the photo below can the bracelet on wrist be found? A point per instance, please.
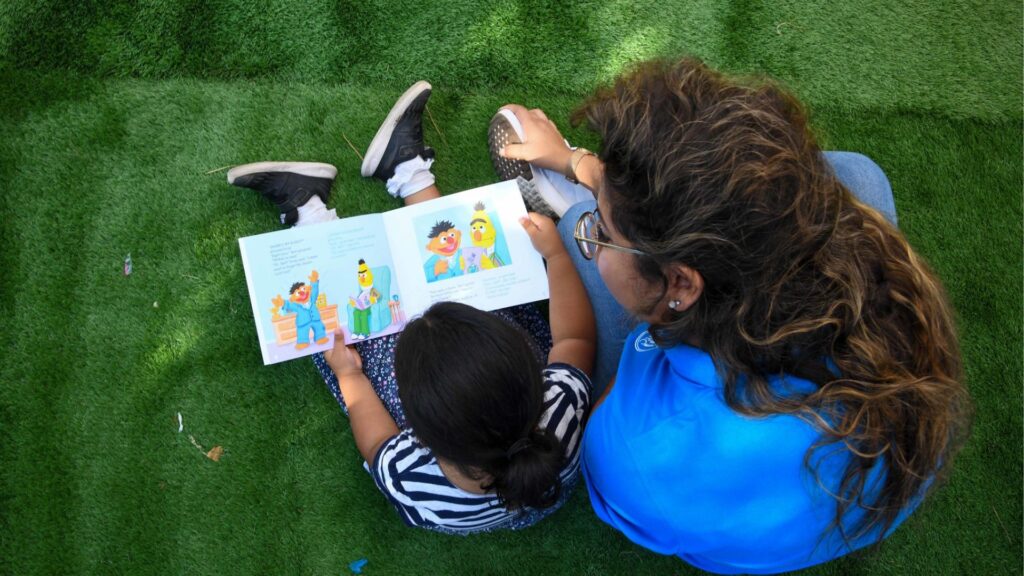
(574, 163)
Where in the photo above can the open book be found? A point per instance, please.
(366, 276)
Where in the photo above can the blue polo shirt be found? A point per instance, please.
(671, 466)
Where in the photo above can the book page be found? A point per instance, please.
(308, 283)
(467, 247)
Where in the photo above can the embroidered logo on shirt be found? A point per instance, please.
(644, 342)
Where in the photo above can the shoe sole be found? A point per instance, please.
(542, 195)
(312, 169)
(379, 144)
(498, 137)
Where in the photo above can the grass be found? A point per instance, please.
(111, 113)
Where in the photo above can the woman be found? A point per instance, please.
(793, 387)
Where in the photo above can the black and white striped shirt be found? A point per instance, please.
(407, 472)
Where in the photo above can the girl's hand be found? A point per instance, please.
(542, 145)
(344, 360)
(543, 235)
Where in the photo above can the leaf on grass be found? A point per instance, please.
(215, 453)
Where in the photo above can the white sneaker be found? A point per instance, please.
(544, 191)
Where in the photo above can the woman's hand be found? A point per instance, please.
(542, 145)
(543, 235)
(344, 360)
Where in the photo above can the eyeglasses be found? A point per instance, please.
(589, 233)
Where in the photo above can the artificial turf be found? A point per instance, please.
(112, 113)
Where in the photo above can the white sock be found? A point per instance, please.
(410, 177)
(314, 212)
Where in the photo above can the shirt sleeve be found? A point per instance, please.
(407, 473)
(397, 456)
(566, 401)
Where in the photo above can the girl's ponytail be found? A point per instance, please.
(472, 389)
(527, 474)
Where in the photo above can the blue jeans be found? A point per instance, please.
(857, 172)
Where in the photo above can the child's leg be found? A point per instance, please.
(298, 189)
(533, 323)
(379, 366)
(396, 156)
(428, 193)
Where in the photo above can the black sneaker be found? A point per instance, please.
(287, 184)
(538, 192)
(400, 137)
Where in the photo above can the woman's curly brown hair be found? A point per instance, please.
(800, 278)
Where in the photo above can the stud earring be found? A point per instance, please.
(673, 303)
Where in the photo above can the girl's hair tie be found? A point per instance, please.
(517, 447)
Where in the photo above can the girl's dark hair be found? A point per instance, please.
(472, 391)
(800, 278)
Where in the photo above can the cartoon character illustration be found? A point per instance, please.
(446, 261)
(397, 314)
(302, 302)
(368, 296)
(476, 259)
(484, 235)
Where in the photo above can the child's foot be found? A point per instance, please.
(544, 191)
(301, 346)
(323, 340)
(400, 139)
(288, 185)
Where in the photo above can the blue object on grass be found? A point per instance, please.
(357, 566)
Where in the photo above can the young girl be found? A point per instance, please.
(460, 426)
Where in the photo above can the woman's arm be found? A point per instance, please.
(573, 331)
(371, 423)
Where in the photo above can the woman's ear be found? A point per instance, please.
(685, 285)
